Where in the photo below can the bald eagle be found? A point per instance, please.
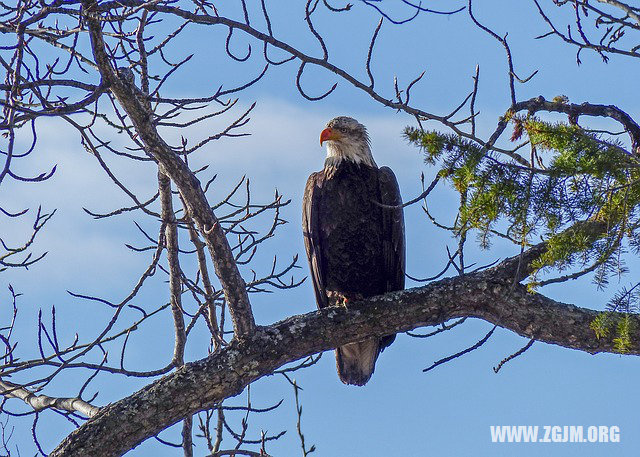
(355, 245)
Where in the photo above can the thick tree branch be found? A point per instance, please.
(189, 186)
(487, 295)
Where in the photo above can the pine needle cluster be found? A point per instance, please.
(577, 190)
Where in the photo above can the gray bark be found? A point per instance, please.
(490, 295)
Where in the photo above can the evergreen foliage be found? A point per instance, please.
(580, 192)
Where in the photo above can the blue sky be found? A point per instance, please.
(402, 411)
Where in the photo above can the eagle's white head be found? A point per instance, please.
(347, 139)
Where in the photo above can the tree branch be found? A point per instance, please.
(175, 283)
(486, 295)
(631, 12)
(584, 109)
(518, 267)
(40, 402)
(189, 186)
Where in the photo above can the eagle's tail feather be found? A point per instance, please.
(356, 361)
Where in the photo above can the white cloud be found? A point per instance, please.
(282, 150)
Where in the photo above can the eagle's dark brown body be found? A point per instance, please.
(355, 247)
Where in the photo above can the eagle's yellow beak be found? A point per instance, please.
(329, 134)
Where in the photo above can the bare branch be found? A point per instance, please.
(40, 402)
(189, 187)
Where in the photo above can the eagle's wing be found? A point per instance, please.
(311, 233)
(393, 230)
(393, 245)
